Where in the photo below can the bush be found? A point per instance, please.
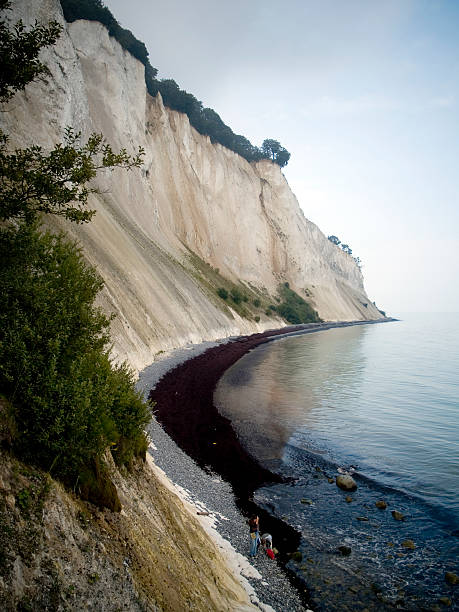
(223, 293)
(256, 303)
(69, 401)
(294, 309)
(257, 319)
(236, 295)
(62, 401)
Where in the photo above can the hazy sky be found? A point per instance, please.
(365, 96)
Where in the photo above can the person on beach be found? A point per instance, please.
(267, 543)
(254, 526)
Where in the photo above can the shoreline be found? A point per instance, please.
(204, 434)
(183, 384)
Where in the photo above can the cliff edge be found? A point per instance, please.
(164, 237)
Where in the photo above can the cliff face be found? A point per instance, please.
(191, 195)
(60, 553)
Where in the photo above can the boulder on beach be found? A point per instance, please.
(346, 482)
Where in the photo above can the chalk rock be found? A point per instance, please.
(346, 482)
(240, 217)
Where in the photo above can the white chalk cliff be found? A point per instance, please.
(190, 195)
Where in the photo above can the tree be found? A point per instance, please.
(272, 149)
(32, 181)
(346, 248)
(56, 182)
(334, 240)
(282, 157)
(19, 51)
(67, 400)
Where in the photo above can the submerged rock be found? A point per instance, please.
(381, 504)
(451, 578)
(345, 550)
(409, 544)
(398, 516)
(446, 601)
(346, 482)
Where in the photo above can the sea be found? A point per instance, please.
(379, 402)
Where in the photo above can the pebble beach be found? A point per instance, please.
(272, 588)
(210, 469)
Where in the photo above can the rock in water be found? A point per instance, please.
(381, 504)
(451, 578)
(446, 601)
(346, 482)
(398, 516)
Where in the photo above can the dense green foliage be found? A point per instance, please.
(70, 402)
(67, 401)
(294, 309)
(19, 50)
(272, 149)
(205, 120)
(223, 293)
(57, 181)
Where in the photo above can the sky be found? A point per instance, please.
(365, 96)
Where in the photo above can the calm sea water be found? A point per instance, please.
(382, 400)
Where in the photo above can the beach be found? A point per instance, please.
(198, 450)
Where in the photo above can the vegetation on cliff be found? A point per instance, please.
(346, 248)
(205, 120)
(67, 403)
(294, 309)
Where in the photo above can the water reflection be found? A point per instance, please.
(282, 388)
